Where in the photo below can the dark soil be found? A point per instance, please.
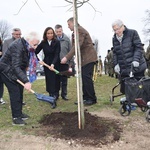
(97, 131)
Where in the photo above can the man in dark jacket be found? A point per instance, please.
(13, 65)
(127, 52)
(88, 59)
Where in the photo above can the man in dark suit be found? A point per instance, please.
(65, 48)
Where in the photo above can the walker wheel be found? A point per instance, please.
(148, 115)
(125, 110)
(144, 109)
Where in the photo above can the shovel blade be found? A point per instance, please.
(45, 98)
(66, 73)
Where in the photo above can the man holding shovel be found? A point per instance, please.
(13, 65)
(88, 59)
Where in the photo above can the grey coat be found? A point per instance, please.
(6, 44)
(65, 48)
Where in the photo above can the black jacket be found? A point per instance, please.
(51, 52)
(129, 50)
(15, 61)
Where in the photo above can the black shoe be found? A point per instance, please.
(76, 103)
(89, 102)
(18, 121)
(2, 101)
(54, 104)
(24, 116)
(65, 98)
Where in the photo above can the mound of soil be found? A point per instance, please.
(97, 131)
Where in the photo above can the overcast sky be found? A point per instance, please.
(131, 12)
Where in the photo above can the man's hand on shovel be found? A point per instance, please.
(27, 86)
(64, 60)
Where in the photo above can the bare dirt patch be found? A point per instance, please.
(132, 131)
(97, 131)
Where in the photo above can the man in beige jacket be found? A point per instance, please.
(88, 59)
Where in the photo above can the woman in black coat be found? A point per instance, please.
(51, 48)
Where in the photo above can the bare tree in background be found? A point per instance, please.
(5, 29)
(146, 29)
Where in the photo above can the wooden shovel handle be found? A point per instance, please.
(24, 85)
(46, 65)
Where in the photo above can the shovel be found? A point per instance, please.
(66, 73)
(42, 97)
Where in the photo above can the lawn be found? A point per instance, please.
(61, 129)
(36, 109)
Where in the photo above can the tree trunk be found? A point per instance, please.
(81, 119)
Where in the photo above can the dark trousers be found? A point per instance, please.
(63, 85)
(16, 96)
(63, 80)
(87, 82)
(1, 88)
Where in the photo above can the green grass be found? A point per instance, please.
(36, 109)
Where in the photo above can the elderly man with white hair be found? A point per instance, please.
(13, 65)
(127, 52)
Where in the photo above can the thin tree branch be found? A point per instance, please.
(81, 2)
(38, 5)
(24, 3)
(94, 8)
(21, 7)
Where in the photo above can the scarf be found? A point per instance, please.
(32, 64)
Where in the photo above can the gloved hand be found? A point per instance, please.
(117, 69)
(135, 64)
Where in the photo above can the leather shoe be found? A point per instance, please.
(65, 98)
(76, 103)
(54, 104)
(89, 102)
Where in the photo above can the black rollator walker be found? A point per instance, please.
(137, 94)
